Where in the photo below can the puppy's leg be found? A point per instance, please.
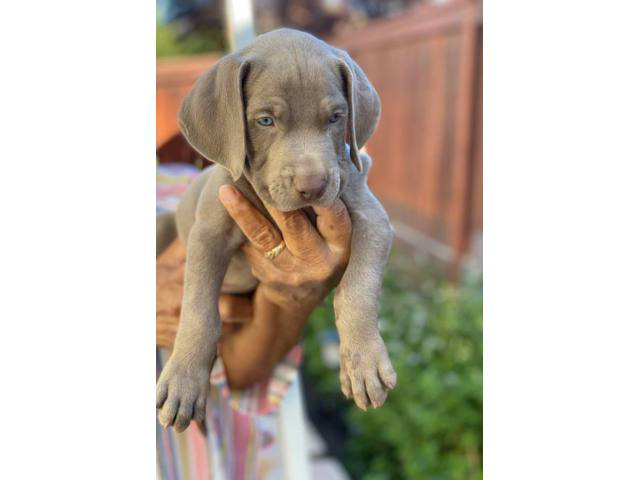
(366, 374)
(165, 231)
(183, 385)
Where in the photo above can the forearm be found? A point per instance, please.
(251, 352)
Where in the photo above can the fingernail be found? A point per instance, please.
(227, 194)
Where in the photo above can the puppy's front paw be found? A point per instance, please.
(366, 374)
(181, 394)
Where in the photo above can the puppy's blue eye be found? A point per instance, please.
(265, 121)
(334, 118)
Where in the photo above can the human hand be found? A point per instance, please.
(291, 285)
(313, 258)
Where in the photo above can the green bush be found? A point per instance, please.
(431, 424)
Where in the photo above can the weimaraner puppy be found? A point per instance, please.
(274, 118)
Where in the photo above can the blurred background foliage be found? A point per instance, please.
(431, 424)
(196, 26)
(171, 43)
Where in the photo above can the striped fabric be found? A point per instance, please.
(242, 439)
(172, 179)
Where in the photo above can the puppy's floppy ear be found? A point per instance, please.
(364, 105)
(212, 115)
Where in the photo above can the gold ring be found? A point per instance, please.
(274, 252)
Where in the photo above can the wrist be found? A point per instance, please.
(293, 304)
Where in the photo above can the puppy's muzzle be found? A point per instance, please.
(310, 187)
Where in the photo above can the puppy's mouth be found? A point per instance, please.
(282, 196)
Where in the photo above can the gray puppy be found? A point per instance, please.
(275, 116)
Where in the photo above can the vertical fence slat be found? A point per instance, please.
(461, 180)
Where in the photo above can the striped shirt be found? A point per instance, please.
(242, 438)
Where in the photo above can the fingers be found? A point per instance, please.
(169, 286)
(298, 232)
(173, 256)
(165, 341)
(334, 224)
(258, 229)
(166, 328)
(265, 270)
(235, 309)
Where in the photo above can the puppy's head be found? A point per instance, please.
(279, 113)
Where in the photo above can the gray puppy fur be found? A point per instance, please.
(313, 94)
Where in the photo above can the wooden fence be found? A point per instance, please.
(427, 150)
(174, 79)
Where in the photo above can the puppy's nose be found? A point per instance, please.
(310, 187)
